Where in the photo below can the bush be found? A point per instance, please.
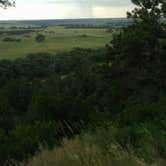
(8, 39)
(40, 38)
(84, 35)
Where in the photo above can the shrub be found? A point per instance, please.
(84, 35)
(40, 38)
(9, 39)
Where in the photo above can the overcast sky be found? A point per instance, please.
(60, 9)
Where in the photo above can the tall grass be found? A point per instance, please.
(77, 152)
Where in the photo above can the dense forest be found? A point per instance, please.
(119, 89)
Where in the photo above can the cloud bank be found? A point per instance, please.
(63, 9)
(93, 2)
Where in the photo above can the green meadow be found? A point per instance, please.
(57, 39)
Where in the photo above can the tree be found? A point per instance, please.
(149, 13)
(6, 3)
(137, 60)
(148, 10)
(141, 41)
(40, 38)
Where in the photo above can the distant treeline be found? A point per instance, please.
(113, 24)
(16, 32)
(66, 22)
(95, 21)
(9, 39)
(109, 25)
(27, 27)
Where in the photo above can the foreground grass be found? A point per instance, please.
(76, 152)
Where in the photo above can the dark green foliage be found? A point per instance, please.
(8, 39)
(48, 97)
(40, 38)
(7, 114)
(45, 93)
(18, 92)
(17, 32)
(150, 10)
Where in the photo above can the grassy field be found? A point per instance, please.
(57, 39)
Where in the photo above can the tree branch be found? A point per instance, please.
(6, 3)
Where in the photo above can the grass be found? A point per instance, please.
(91, 149)
(57, 39)
(78, 153)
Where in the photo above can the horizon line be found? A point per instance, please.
(62, 19)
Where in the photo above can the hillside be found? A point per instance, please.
(96, 106)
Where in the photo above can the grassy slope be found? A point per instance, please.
(57, 39)
(78, 152)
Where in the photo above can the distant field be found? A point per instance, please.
(58, 38)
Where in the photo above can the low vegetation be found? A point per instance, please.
(77, 152)
(9, 39)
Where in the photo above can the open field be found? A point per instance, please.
(58, 38)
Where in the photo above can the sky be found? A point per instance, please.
(66, 9)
